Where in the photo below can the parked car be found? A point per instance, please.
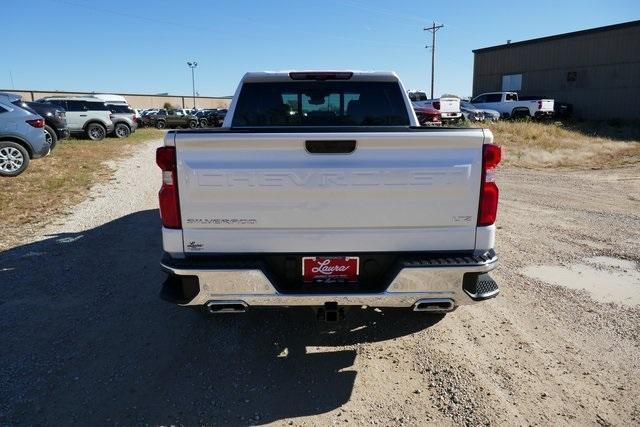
(561, 110)
(21, 138)
(350, 203)
(146, 118)
(471, 113)
(491, 115)
(209, 118)
(85, 115)
(203, 121)
(173, 119)
(124, 120)
(510, 106)
(417, 95)
(449, 106)
(188, 111)
(427, 116)
(221, 113)
(55, 126)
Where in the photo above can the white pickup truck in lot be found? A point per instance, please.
(509, 106)
(321, 190)
(449, 106)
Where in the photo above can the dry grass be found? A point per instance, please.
(54, 183)
(529, 144)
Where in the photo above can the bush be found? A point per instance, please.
(167, 106)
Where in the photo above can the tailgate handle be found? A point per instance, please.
(331, 147)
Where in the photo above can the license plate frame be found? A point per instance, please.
(330, 269)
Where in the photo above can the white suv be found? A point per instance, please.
(85, 115)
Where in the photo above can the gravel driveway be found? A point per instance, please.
(86, 340)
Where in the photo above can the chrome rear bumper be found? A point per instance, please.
(440, 279)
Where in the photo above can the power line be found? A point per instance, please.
(379, 11)
(263, 31)
(433, 29)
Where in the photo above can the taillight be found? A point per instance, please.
(36, 123)
(168, 195)
(488, 207)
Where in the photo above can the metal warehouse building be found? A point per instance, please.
(596, 70)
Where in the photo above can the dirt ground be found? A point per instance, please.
(86, 340)
(52, 184)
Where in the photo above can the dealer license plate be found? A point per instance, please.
(330, 269)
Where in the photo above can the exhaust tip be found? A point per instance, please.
(435, 305)
(218, 307)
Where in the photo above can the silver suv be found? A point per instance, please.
(124, 120)
(21, 138)
(85, 115)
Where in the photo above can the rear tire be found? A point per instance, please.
(96, 132)
(14, 159)
(51, 136)
(520, 115)
(122, 131)
(160, 124)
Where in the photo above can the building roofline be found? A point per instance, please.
(560, 36)
(84, 93)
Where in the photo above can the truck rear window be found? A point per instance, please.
(320, 104)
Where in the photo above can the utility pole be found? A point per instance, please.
(193, 66)
(433, 28)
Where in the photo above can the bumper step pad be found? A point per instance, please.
(480, 286)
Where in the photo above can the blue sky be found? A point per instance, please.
(140, 46)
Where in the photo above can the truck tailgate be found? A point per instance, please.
(264, 192)
(449, 105)
(546, 105)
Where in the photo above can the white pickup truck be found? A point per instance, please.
(321, 190)
(449, 106)
(509, 106)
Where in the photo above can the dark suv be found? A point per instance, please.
(221, 114)
(208, 118)
(55, 120)
(173, 119)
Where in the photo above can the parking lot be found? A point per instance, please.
(87, 340)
